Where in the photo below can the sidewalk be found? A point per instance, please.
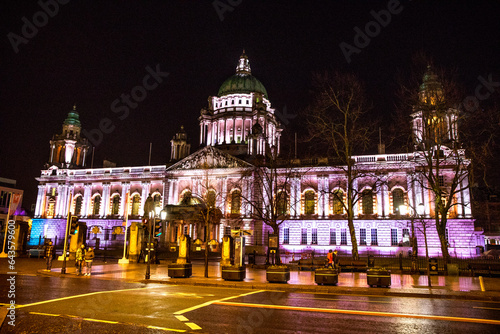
(452, 287)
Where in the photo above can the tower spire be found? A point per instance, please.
(243, 67)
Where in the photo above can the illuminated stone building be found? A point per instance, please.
(237, 126)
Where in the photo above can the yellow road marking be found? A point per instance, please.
(97, 320)
(167, 329)
(79, 296)
(192, 325)
(50, 315)
(487, 308)
(181, 318)
(372, 313)
(107, 321)
(213, 301)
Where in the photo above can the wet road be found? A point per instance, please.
(72, 305)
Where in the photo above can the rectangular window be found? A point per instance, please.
(333, 237)
(362, 236)
(394, 237)
(446, 236)
(303, 237)
(314, 240)
(441, 180)
(286, 236)
(227, 230)
(343, 236)
(374, 237)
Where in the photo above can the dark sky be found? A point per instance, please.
(90, 53)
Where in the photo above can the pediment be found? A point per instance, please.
(211, 158)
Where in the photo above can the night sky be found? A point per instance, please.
(90, 53)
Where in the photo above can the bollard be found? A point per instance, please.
(481, 282)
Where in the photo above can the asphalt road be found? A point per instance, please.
(82, 305)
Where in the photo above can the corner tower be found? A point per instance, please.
(434, 123)
(240, 107)
(69, 149)
(179, 146)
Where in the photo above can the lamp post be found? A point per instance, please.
(414, 251)
(421, 213)
(149, 211)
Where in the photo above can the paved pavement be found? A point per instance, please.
(453, 287)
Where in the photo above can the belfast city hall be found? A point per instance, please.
(239, 142)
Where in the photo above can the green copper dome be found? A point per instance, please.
(73, 118)
(243, 81)
(242, 84)
(430, 81)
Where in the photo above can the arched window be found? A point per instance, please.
(367, 200)
(115, 206)
(282, 203)
(136, 204)
(97, 205)
(337, 202)
(398, 199)
(235, 202)
(78, 206)
(186, 197)
(309, 202)
(157, 200)
(211, 198)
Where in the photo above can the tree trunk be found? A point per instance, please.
(354, 242)
(277, 257)
(441, 230)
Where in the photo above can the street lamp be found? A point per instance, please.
(149, 211)
(421, 213)
(403, 210)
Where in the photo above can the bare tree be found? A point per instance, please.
(268, 200)
(207, 200)
(440, 161)
(337, 117)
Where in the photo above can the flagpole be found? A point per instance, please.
(3, 254)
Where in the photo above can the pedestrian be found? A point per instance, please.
(89, 257)
(329, 257)
(335, 260)
(49, 254)
(80, 256)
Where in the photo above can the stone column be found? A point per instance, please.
(386, 207)
(410, 184)
(86, 199)
(58, 204)
(145, 192)
(39, 201)
(123, 204)
(465, 194)
(106, 198)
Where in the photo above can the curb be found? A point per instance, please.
(339, 290)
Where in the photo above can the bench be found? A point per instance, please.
(320, 262)
(352, 265)
(490, 269)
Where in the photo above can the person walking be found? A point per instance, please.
(329, 257)
(335, 260)
(89, 257)
(80, 256)
(49, 255)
